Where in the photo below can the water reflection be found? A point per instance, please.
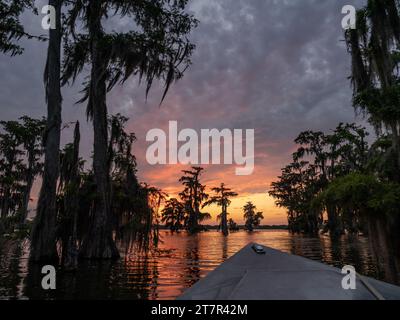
(10, 261)
(179, 263)
(192, 256)
(224, 249)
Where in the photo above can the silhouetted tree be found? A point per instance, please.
(319, 160)
(134, 206)
(193, 196)
(252, 218)
(69, 185)
(373, 46)
(43, 237)
(295, 191)
(20, 163)
(11, 29)
(363, 197)
(31, 139)
(233, 225)
(374, 49)
(156, 48)
(173, 215)
(222, 199)
(11, 167)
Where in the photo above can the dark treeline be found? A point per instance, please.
(84, 209)
(20, 163)
(134, 208)
(76, 208)
(185, 213)
(339, 183)
(321, 159)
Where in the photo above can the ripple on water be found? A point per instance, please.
(180, 262)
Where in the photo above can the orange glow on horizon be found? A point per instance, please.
(166, 178)
(272, 214)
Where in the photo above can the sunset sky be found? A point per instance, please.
(278, 67)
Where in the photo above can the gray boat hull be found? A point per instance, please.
(276, 275)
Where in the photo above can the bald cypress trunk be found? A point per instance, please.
(396, 148)
(99, 243)
(384, 241)
(2, 227)
(224, 221)
(196, 211)
(28, 188)
(43, 238)
(6, 203)
(70, 248)
(334, 221)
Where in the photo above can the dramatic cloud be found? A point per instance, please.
(276, 66)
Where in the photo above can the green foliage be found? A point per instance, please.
(382, 104)
(374, 47)
(320, 159)
(382, 158)
(362, 194)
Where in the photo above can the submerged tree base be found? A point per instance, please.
(99, 247)
(385, 244)
(43, 238)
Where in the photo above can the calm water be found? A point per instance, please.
(181, 261)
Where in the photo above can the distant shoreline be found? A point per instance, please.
(265, 227)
